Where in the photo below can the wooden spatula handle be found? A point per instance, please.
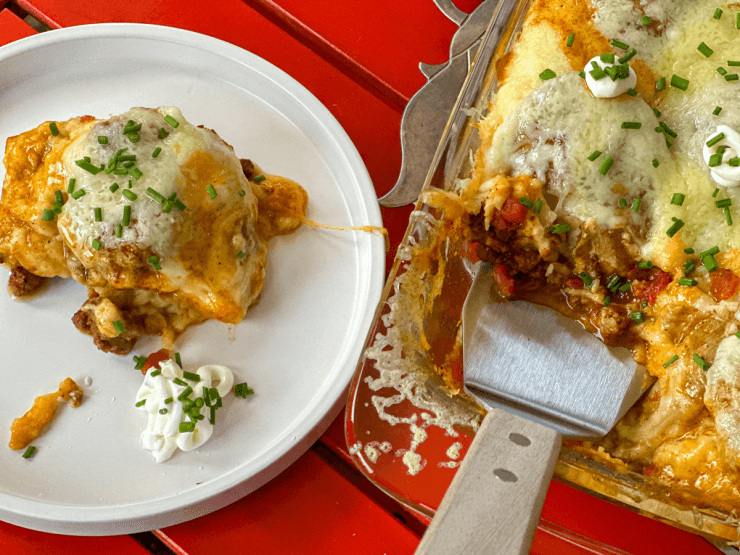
(493, 504)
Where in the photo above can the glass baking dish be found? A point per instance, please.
(407, 423)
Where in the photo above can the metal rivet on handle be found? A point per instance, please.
(505, 475)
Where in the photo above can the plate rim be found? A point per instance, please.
(157, 513)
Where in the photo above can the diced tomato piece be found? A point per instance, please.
(154, 359)
(471, 252)
(651, 288)
(723, 284)
(574, 282)
(648, 470)
(504, 281)
(511, 215)
(513, 211)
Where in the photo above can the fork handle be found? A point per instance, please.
(494, 502)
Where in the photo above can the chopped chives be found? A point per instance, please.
(136, 173)
(656, 163)
(733, 63)
(140, 361)
(47, 215)
(714, 194)
(155, 195)
(582, 74)
(119, 231)
(631, 125)
(620, 44)
(623, 71)
(156, 152)
(613, 282)
(179, 204)
(259, 178)
(606, 165)
(126, 214)
(628, 56)
(177, 359)
(547, 74)
(87, 166)
(172, 121)
(734, 161)
(678, 199)
(163, 411)
(28, 453)
(102, 139)
(71, 185)
(717, 13)
(671, 231)
(113, 188)
(185, 393)
(714, 140)
(660, 85)
(687, 282)
(131, 127)
(723, 202)
(168, 206)
(625, 287)
(636, 204)
(709, 263)
(714, 250)
(570, 40)
(679, 82)
(129, 194)
(191, 376)
(737, 21)
(134, 137)
(704, 49)
(732, 77)
(526, 202)
(240, 254)
(667, 129)
(242, 192)
(623, 202)
(645, 20)
(689, 266)
(701, 362)
(560, 228)
(119, 326)
(657, 112)
(594, 155)
(632, 92)
(607, 300)
(670, 361)
(728, 216)
(98, 214)
(637, 317)
(211, 191)
(162, 133)
(54, 129)
(645, 264)
(168, 400)
(689, 250)
(587, 280)
(78, 193)
(96, 244)
(717, 110)
(597, 73)
(186, 427)
(721, 71)
(538, 206)
(607, 57)
(154, 261)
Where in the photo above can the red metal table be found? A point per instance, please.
(361, 60)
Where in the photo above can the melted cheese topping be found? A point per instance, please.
(558, 126)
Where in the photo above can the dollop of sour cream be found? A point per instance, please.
(724, 174)
(158, 396)
(606, 87)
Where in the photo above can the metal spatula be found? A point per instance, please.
(542, 376)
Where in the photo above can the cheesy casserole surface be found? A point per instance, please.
(606, 186)
(157, 217)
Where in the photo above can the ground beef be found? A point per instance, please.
(23, 283)
(120, 345)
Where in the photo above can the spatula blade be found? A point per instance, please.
(544, 366)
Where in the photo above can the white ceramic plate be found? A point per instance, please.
(297, 349)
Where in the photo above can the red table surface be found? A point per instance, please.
(361, 60)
